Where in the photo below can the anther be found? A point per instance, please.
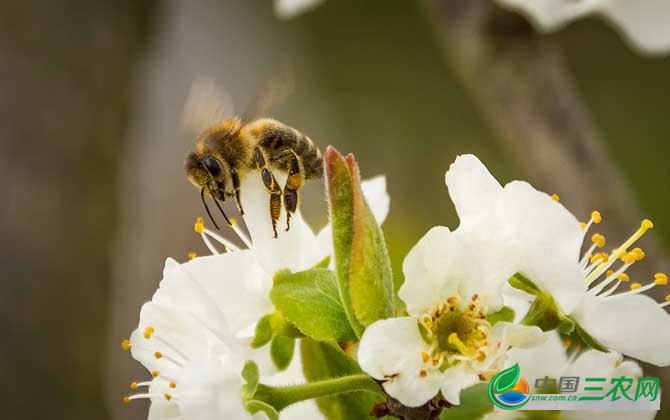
(133, 386)
(158, 355)
(596, 217)
(423, 373)
(635, 286)
(192, 255)
(148, 332)
(598, 239)
(623, 277)
(661, 279)
(125, 345)
(199, 225)
(155, 373)
(424, 356)
(646, 224)
(555, 197)
(173, 385)
(168, 396)
(126, 399)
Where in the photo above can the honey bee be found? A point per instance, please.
(234, 148)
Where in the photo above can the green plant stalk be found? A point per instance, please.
(282, 397)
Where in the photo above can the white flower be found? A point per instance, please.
(550, 360)
(287, 9)
(645, 24)
(543, 240)
(194, 336)
(452, 282)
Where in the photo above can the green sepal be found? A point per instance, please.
(324, 263)
(505, 314)
(588, 339)
(361, 258)
(521, 282)
(272, 325)
(310, 300)
(255, 406)
(250, 375)
(545, 313)
(281, 351)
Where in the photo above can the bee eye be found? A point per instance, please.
(212, 166)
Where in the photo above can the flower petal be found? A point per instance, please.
(288, 9)
(295, 249)
(546, 359)
(210, 390)
(456, 379)
(549, 15)
(472, 188)
(374, 191)
(390, 351)
(426, 268)
(646, 27)
(548, 241)
(161, 408)
(630, 324)
(238, 284)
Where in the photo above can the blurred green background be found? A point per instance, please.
(92, 151)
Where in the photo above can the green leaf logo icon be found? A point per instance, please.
(506, 379)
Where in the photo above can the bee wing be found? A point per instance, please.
(206, 104)
(275, 91)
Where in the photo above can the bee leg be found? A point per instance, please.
(236, 189)
(293, 183)
(272, 186)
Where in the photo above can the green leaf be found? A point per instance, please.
(272, 325)
(362, 262)
(255, 406)
(323, 361)
(281, 351)
(506, 314)
(506, 379)
(310, 300)
(250, 375)
(475, 403)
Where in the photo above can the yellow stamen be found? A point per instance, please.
(598, 239)
(555, 197)
(168, 396)
(623, 277)
(233, 221)
(629, 258)
(155, 373)
(133, 386)
(126, 399)
(423, 373)
(192, 255)
(661, 279)
(125, 344)
(667, 298)
(173, 385)
(424, 356)
(199, 226)
(148, 332)
(158, 355)
(646, 224)
(639, 254)
(635, 286)
(597, 218)
(582, 224)
(609, 273)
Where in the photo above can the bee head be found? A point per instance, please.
(207, 172)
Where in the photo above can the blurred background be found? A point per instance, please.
(91, 153)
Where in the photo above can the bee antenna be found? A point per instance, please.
(204, 203)
(222, 212)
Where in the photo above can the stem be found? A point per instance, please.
(282, 397)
